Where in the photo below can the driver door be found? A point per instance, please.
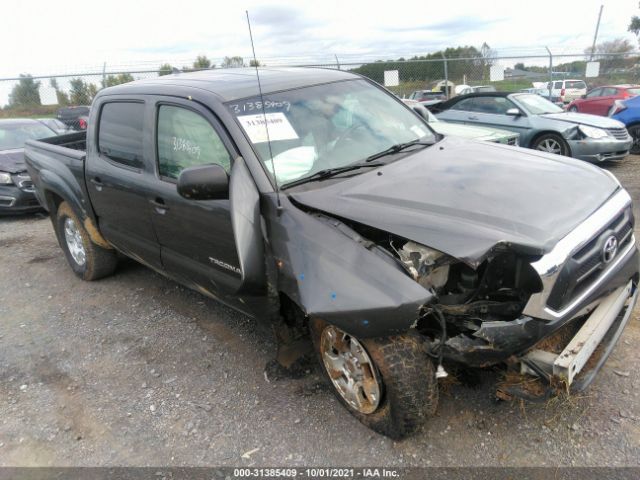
(197, 243)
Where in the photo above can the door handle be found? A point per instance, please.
(97, 182)
(159, 205)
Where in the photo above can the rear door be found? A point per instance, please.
(574, 89)
(196, 236)
(603, 103)
(588, 104)
(120, 172)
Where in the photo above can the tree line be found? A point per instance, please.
(26, 93)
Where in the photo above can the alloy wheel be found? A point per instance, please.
(351, 370)
(74, 241)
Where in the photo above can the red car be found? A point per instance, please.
(599, 100)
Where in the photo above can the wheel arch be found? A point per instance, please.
(555, 133)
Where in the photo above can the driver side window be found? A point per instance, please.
(594, 93)
(186, 139)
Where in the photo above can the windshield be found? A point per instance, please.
(326, 126)
(536, 105)
(14, 135)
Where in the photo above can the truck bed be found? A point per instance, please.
(57, 164)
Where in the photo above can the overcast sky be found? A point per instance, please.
(43, 37)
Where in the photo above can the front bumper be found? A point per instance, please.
(14, 200)
(600, 150)
(496, 341)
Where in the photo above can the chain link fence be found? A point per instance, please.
(41, 96)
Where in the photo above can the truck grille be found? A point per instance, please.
(618, 133)
(586, 264)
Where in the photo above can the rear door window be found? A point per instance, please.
(186, 139)
(597, 92)
(120, 133)
(466, 105)
(557, 85)
(579, 84)
(607, 92)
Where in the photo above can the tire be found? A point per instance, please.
(408, 389)
(572, 108)
(87, 260)
(551, 143)
(634, 131)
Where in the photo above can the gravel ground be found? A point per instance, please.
(136, 370)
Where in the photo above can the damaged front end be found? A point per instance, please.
(503, 307)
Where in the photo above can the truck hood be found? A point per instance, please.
(473, 132)
(585, 119)
(12, 161)
(464, 197)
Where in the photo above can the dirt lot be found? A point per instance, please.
(137, 370)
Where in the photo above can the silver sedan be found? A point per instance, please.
(541, 124)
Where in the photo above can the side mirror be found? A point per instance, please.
(204, 182)
(513, 112)
(420, 110)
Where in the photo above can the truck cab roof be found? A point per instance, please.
(235, 83)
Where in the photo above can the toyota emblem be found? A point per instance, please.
(609, 249)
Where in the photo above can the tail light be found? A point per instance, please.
(82, 123)
(617, 107)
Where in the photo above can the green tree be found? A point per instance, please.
(113, 80)
(519, 66)
(202, 62)
(26, 93)
(80, 92)
(165, 69)
(255, 63)
(634, 25)
(232, 62)
(61, 97)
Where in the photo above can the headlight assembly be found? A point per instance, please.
(593, 132)
(5, 179)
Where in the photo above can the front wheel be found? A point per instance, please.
(388, 384)
(634, 131)
(551, 143)
(572, 108)
(87, 260)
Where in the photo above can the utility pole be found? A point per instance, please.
(595, 36)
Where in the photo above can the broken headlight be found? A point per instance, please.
(428, 267)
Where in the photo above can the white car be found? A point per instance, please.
(567, 90)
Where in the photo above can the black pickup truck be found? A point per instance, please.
(330, 209)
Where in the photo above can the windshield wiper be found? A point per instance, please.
(329, 172)
(398, 147)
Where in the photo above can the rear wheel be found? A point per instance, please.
(87, 260)
(634, 131)
(551, 143)
(388, 383)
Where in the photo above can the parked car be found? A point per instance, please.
(16, 189)
(466, 131)
(427, 95)
(628, 112)
(541, 124)
(477, 89)
(567, 90)
(56, 125)
(337, 212)
(70, 116)
(600, 100)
